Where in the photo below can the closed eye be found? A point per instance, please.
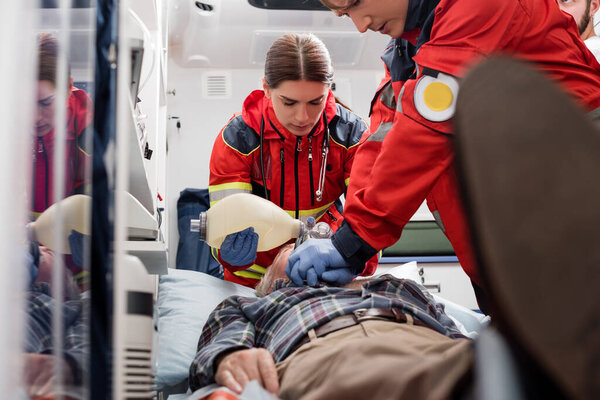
(47, 102)
(344, 11)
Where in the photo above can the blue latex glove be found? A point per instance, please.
(76, 241)
(240, 248)
(31, 268)
(318, 259)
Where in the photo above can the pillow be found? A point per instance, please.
(404, 271)
(185, 299)
(468, 321)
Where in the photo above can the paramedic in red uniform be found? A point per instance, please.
(416, 161)
(291, 144)
(78, 119)
(76, 159)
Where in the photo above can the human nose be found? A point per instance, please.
(361, 23)
(302, 114)
(39, 113)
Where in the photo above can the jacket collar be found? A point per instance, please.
(398, 56)
(257, 106)
(419, 17)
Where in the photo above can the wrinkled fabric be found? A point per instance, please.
(278, 321)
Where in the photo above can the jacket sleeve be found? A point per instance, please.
(413, 155)
(382, 116)
(226, 329)
(230, 173)
(230, 170)
(82, 109)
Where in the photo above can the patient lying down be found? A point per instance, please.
(380, 338)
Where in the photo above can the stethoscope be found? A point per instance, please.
(42, 149)
(324, 153)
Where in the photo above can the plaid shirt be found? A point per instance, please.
(38, 335)
(277, 322)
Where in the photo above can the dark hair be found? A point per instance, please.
(48, 58)
(327, 4)
(295, 57)
(585, 19)
(48, 54)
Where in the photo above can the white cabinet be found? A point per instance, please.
(448, 280)
(141, 131)
(444, 278)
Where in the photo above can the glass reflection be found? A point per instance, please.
(78, 117)
(56, 302)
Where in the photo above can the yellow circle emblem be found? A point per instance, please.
(438, 96)
(435, 97)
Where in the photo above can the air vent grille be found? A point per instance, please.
(204, 7)
(138, 376)
(216, 85)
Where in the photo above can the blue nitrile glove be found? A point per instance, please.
(31, 268)
(76, 241)
(240, 248)
(318, 259)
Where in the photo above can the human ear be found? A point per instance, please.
(594, 6)
(266, 88)
(70, 88)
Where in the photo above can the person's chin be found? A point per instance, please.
(300, 131)
(393, 30)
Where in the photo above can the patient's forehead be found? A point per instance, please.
(280, 262)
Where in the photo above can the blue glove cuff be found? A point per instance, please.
(352, 247)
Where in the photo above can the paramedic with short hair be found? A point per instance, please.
(583, 12)
(291, 144)
(416, 161)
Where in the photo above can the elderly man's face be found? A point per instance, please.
(385, 16)
(275, 271)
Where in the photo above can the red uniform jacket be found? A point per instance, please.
(79, 117)
(291, 166)
(416, 161)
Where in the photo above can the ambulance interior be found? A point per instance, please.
(168, 75)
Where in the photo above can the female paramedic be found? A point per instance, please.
(291, 144)
(76, 159)
(78, 118)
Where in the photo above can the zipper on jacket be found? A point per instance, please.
(33, 177)
(282, 187)
(297, 153)
(310, 159)
(331, 216)
(45, 171)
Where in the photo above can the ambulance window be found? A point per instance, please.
(289, 4)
